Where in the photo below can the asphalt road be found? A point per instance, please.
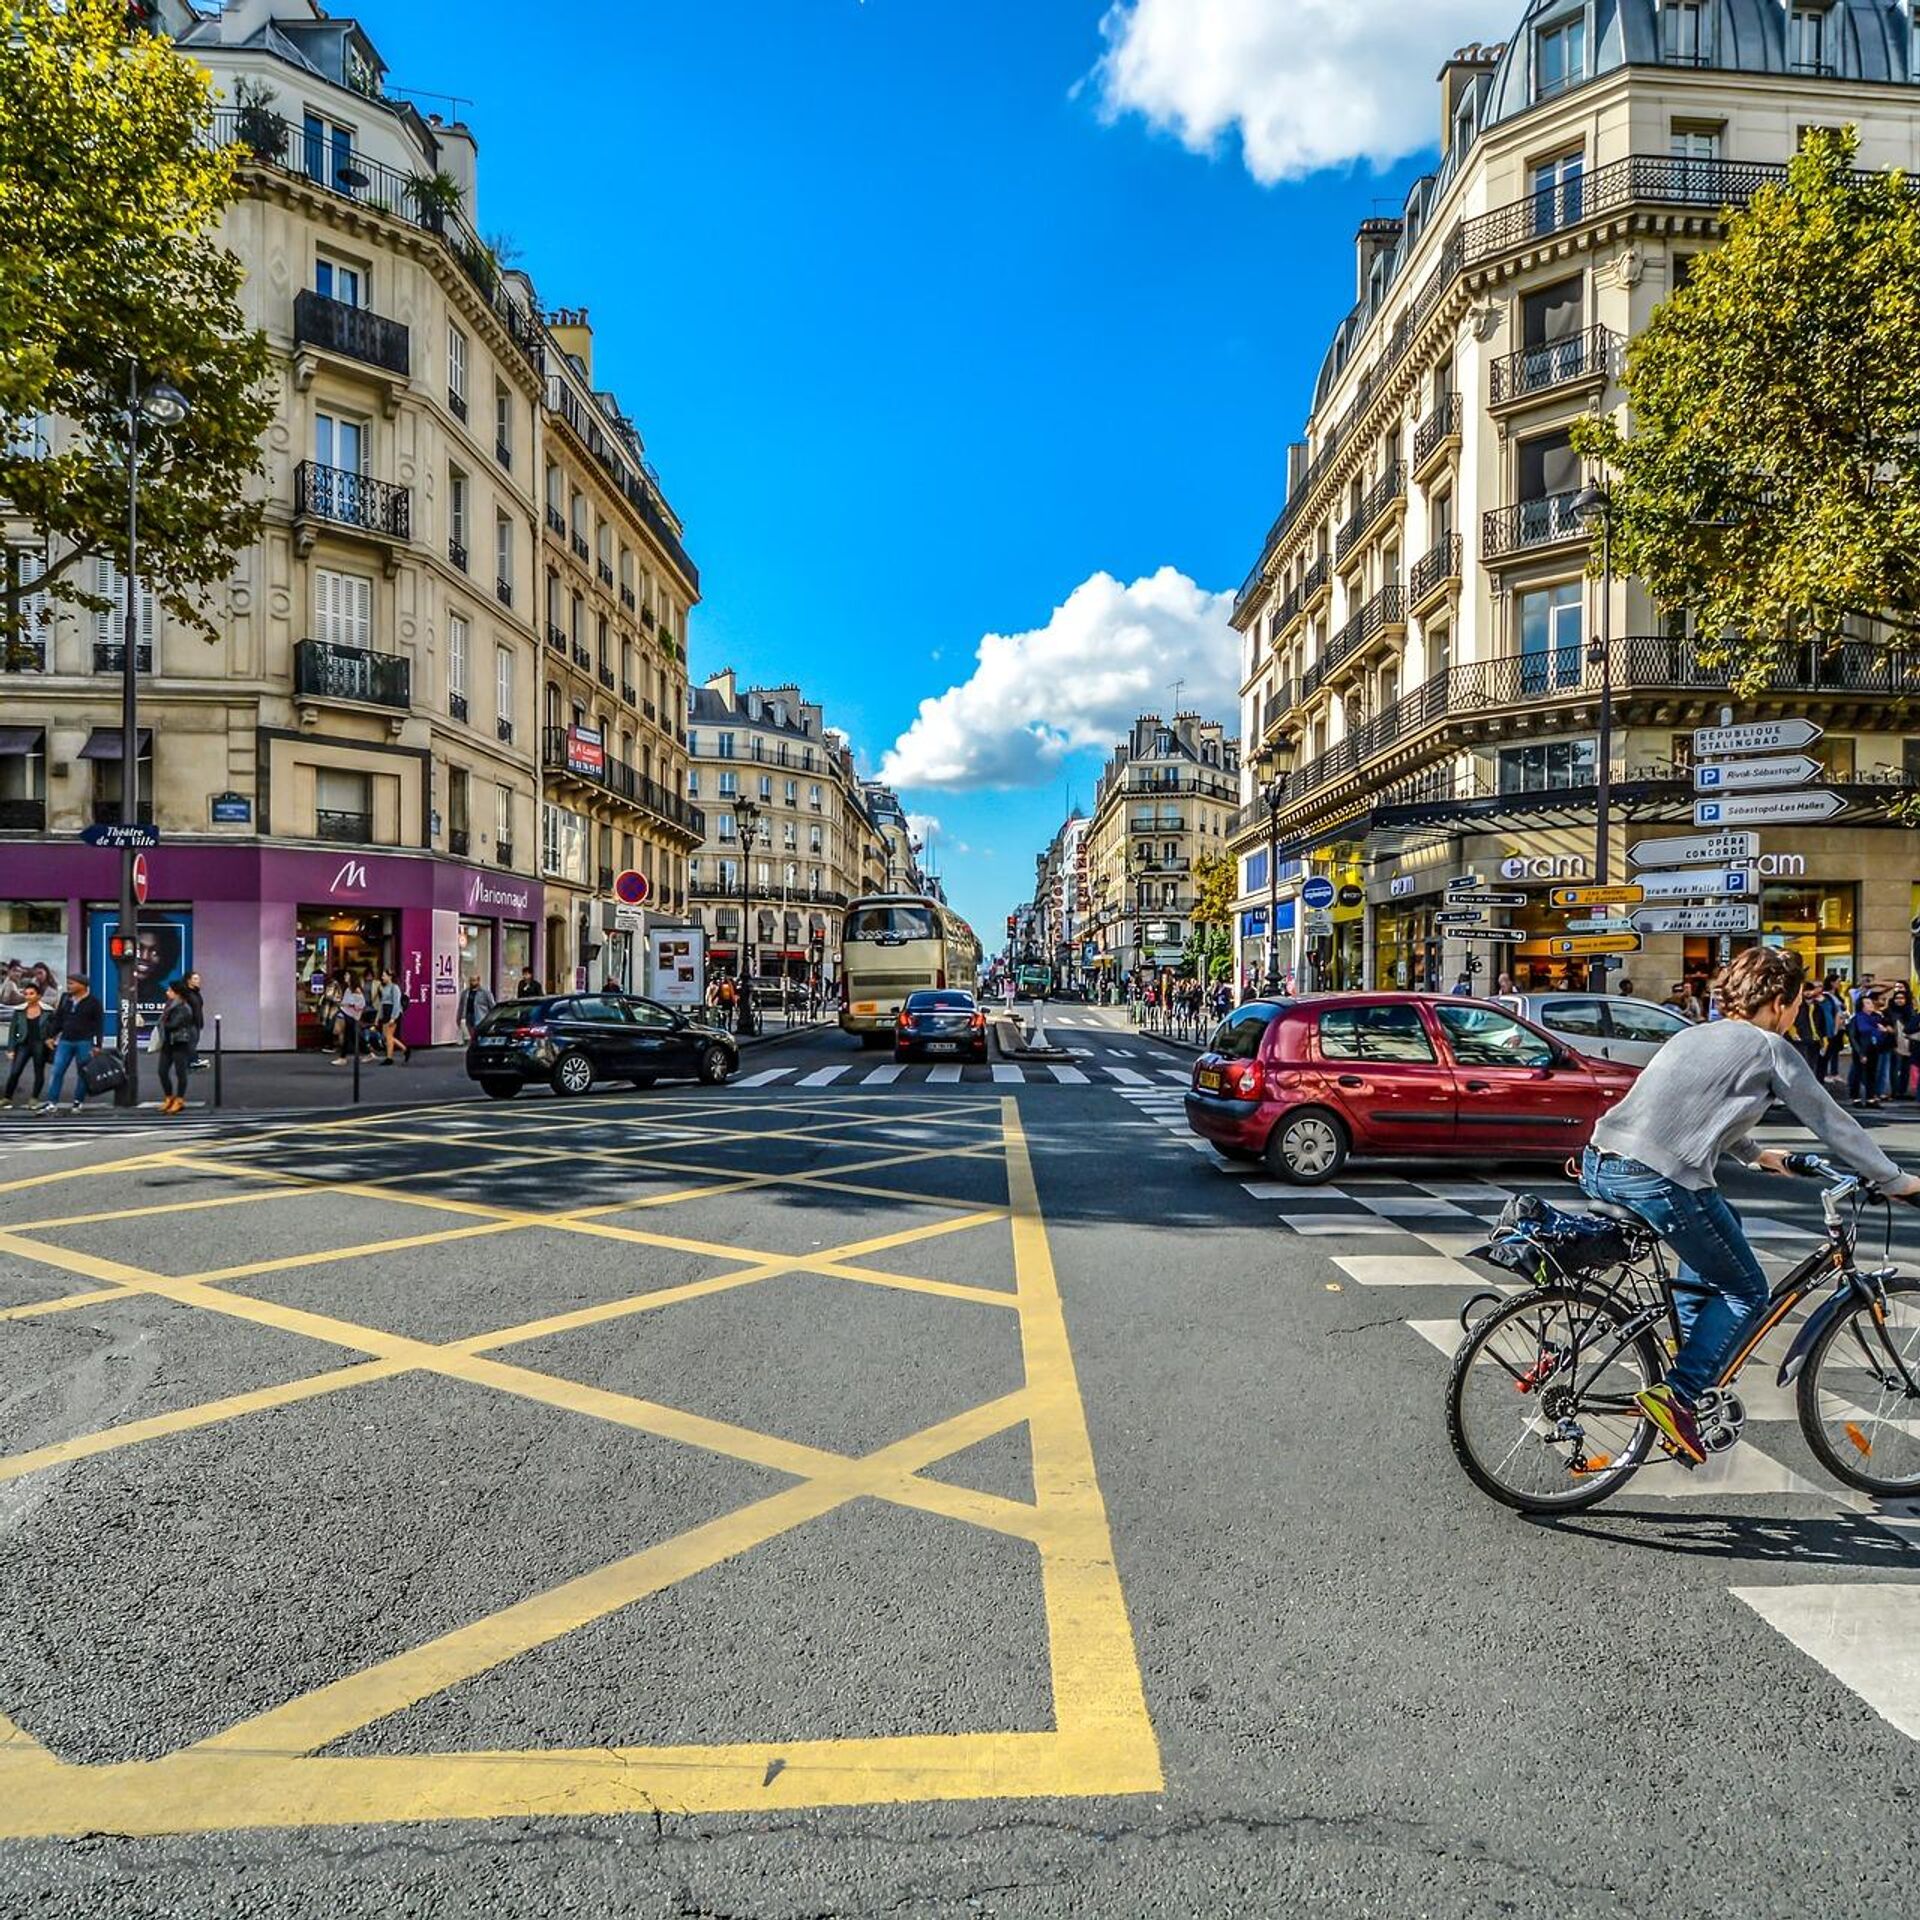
(869, 1498)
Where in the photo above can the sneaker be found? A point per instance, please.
(77, 1105)
(44, 1106)
(1675, 1421)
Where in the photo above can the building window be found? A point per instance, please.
(1683, 33)
(343, 804)
(1807, 40)
(457, 644)
(458, 523)
(503, 684)
(693, 783)
(342, 608)
(1556, 192)
(329, 152)
(109, 629)
(457, 371)
(338, 280)
(766, 786)
(1550, 637)
(1546, 766)
(1698, 149)
(339, 441)
(459, 821)
(725, 746)
(1816, 922)
(1559, 56)
(729, 783)
(503, 556)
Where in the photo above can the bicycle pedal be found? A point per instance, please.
(1679, 1455)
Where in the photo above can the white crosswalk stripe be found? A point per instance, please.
(944, 1076)
(825, 1077)
(883, 1076)
(1865, 1635)
(1069, 1076)
(1128, 1076)
(766, 1078)
(1005, 1075)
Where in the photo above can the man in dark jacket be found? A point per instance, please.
(77, 1027)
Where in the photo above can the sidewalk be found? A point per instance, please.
(310, 1082)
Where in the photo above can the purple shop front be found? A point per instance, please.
(266, 927)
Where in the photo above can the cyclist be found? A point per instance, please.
(1658, 1150)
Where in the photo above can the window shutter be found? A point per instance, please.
(358, 609)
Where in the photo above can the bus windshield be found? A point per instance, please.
(891, 925)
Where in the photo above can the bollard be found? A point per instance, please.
(356, 1066)
(217, 1091)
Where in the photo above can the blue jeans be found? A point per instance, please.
(70, 1053)
(1714, 1256)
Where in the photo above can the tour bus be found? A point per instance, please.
(895, 944)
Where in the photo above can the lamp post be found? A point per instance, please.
(1596, 503)
(159, 405)
(748, 814)
(1274, 764)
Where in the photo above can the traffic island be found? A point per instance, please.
(1012, 1041)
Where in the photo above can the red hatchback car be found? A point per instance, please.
(1305, 1083)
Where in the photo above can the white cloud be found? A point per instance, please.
(1305, 84)
(933, 836)
(1109, 653)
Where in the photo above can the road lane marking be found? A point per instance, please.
(945, 1076)
(1867, 1635)
(763, 1079)
(823, 1077)
(1069, 1076)
(884, 1076)
(1008, 1076)
(1129, 1076)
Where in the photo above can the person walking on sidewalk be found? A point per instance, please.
(28, 1042)
(196, 999)
(527, 987)
(392, 1004)
(353, 1003)
(78, 1025)
(179, 1036)
(475, 1004)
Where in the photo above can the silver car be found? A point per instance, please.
(1608, 1026)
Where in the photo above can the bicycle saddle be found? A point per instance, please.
(1623, 1215)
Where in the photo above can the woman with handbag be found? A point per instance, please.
(29, 1042)
(177, 1035)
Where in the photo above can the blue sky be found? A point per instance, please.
(921, 340)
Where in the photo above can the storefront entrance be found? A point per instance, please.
(1406, 955)
(328, 942)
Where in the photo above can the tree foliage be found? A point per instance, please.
(110, 273)
(1216, 882)
(1770, 485)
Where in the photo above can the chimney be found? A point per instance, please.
(1456, 82)
(574, 332)
(1296, 466)
(1376, 236)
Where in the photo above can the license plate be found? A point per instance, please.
(943, 1046)
(866, 1006)
(500, 1041)
(1208, 1079)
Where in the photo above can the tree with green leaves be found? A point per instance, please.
(1216, 882)
(1769, 485)
(111, 278)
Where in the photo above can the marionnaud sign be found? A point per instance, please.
(1685, 883)
(1769, 809)
(1701, 849)
(1728, 776)
(1741, 918)
(1757, 736)
(1318, 892)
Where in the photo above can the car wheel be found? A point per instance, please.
(1308, 1147)
(500, 1089)
(573, 1074)
(644, 1080)
(715, 1065)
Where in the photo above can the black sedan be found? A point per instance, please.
(569, 1041)
(940, 1024)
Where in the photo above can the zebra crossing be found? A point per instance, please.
(1085, 1070)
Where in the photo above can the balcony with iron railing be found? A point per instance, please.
(23, 816)
(354, 333)
(631, 695)
(503, 590)
(556, 521)
(503, 731)
(607, 678)
(604, 571)
(457, 554)
(457, 706)
(1586, 358)
(349, 829)
(628, 598)
(1384, 613)
(623, 782)
(1386, 492)
(459, 842)
(582, 658)
(503, 853)
(354, 501)
(327, 670)
(1433, 573)
(557, 639)
(578, 542)
(1528, 526)
(1437, 433)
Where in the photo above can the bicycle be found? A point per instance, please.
(1540, 1407)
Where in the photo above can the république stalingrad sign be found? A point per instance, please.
(1549, 869)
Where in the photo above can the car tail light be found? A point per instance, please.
(1246, 1080)
(903, 1018)
(978, 1020)
(530, 1033)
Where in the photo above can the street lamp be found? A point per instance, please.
(1274, 764)
(159, 405)
(747, 812)
(1595, 503)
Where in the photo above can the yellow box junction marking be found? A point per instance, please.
(262, 1772)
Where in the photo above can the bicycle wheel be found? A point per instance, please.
(1540, 1401)
(1855, 1409)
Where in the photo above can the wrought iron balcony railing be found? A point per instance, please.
(344, 498)
(1391, 486)
(1591, 354)
(1440, 426)
(623, 781)
(1530, 523)
(355, 332)
(110, 656)
(352, 829)
(1433, 570)
(326, 670)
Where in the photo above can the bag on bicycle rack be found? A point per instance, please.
(1544, 1243)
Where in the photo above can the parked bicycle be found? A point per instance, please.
(1540, 1402)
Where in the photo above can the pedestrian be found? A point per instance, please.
(1903, 1018)
(196, 999)
(77, 1025)
(1829, 1025)
(353, 1004)
(1625, 986)
(728, 1001)
(179, 1032)
(1504, 986)
(1871, 1039)
(28, 1041)
(392, 1004)
(1463, 987)
(475, 1004)
(527, 987)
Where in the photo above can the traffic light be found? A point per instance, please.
(119, 947)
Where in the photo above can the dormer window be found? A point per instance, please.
(1684, 38)
(1559, 56)
(1807, 50)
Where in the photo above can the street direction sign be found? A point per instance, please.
(1626, 896)
(1763, 809)
(1702, 849)
(1481, 898)
(1744, 917)
(1318, 892)
(1510, 934)
(1757, 736)
(1460, 920)
(1462, 882)
(1685, 883)
(143, 833)
(1599, 926)
(1595, 943)
(1726, 776)
(140, 879)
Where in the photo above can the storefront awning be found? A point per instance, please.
(18, 740)
(103, 743)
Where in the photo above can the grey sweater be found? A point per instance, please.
(1709, 1087)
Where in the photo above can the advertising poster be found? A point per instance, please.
(677, 965)
(164, 954)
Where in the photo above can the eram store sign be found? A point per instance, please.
(1545, 869)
